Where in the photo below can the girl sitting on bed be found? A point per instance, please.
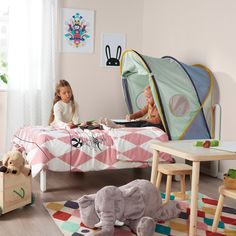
(150, 111)
(64, 113)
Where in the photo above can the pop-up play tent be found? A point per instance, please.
(182, 93)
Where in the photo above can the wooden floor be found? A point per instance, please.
(35, 221)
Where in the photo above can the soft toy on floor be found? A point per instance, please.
(137, 204)
(14, 162)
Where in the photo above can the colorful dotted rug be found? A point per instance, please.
(66, 215)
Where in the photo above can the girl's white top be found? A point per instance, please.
(63, 114)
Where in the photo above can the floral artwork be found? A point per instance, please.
(77, 30)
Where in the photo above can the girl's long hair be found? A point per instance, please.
(61, 83)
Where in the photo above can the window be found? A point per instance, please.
(4, 19)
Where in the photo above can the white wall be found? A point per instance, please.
(98, 89)
(202, 32)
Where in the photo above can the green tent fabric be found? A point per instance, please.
(182, 93)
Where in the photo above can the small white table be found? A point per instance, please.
(185, 149)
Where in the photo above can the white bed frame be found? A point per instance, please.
(214, 165)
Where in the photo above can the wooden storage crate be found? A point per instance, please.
(229, 183)
(15, 191)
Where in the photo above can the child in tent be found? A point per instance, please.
(64, 113)
(150, 110)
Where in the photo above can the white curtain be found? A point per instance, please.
(31, 63)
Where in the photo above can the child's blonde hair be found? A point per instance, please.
(59, 85)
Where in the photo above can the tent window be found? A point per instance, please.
(179, 105)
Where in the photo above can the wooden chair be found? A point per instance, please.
(172, 170)
(224, 192)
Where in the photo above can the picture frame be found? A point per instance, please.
(112, 46)
(77, 30)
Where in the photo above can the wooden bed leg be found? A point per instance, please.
(43, 184)
(155, 162)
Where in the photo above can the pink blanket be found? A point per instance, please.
(88, 150)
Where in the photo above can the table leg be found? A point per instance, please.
(194, 199)
(155, 161)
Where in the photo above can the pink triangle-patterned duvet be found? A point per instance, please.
(88, 150)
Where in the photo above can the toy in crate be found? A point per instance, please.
(230, 179)
(15, 182)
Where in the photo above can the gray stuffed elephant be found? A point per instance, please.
(137, 204)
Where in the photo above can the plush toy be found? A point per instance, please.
(137, 204)
(14, 162)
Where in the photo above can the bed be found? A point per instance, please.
(78, 150)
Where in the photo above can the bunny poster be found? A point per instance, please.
(112, 46)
